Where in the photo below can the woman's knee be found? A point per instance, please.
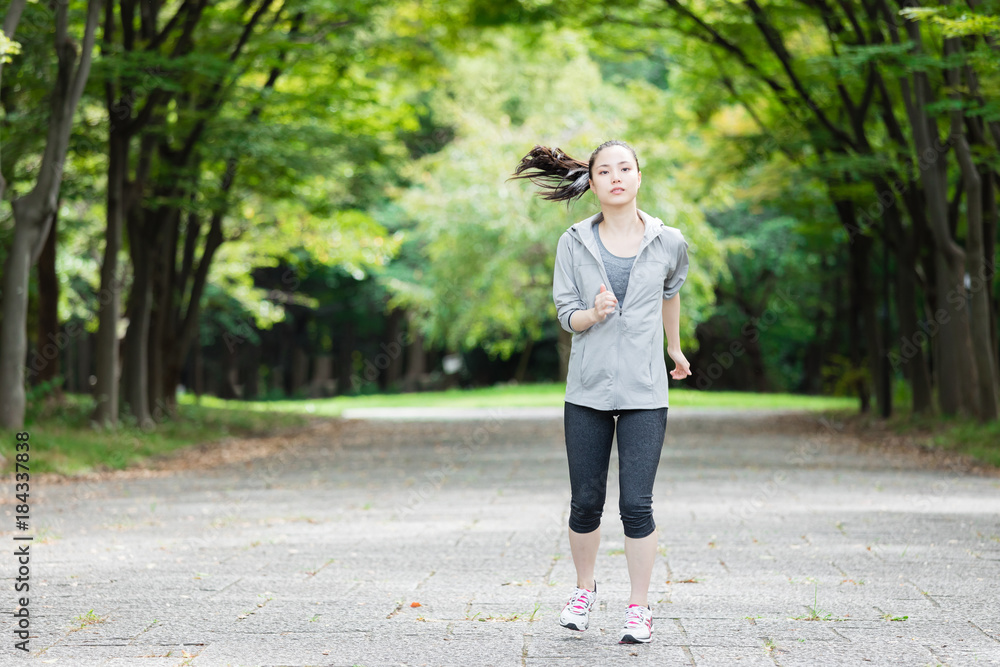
(585, 517)
(637, 520)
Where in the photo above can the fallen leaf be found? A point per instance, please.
(415, 604)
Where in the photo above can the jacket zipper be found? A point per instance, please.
(618, 369)
(607, 281)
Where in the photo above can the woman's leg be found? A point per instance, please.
(640, 441)
(640, 553)
(584, 548)
(589, 434)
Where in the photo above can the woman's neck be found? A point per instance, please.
(621, 220)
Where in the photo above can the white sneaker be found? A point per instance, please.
(638, 625)
(576, 614)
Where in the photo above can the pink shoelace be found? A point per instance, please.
(636, 615)
(580, 601)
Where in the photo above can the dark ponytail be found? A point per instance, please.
(560, 177)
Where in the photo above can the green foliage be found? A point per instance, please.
(8, 48)
(65, 441)
(484, 248)
(955, 21)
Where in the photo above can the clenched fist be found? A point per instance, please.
(604, 303)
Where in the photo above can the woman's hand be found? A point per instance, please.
(604, 304)
(683, 368)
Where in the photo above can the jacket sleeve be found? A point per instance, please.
(672, 283)
(565, 292)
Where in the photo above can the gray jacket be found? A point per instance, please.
(618, 363)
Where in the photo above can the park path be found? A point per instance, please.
(320, 552)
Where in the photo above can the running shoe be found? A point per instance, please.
(638, 625)
(576, 614)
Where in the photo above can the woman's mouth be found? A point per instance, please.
(617, 191)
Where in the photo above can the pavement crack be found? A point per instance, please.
(839, 569)
(937, 657)
(424, 580)
(143, 631)
(924, 593)
(984, 632)
(399, 607)
(686, 646)
(771, 647)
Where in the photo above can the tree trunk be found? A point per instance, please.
(48, 343)
(856, 272)
(300, 365)
(415, 361)
(869, 314)
(162, 397)
(522, 364)
(957, 378)
(912, 357)
(981, 311)
(989, 252)
(184, 334)
(135, 379)
(347, 381)
(394, 335)
(33, 213)
(13, 334)
(83, 355)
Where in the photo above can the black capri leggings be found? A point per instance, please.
(589, 435)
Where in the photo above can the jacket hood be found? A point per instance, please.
(584, 230)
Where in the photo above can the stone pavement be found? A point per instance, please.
(321, 553)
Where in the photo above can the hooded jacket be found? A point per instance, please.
(618, 363)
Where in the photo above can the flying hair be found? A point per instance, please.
(558, 176)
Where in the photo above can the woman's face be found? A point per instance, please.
(615, 177)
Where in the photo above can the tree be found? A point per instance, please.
(35, 211)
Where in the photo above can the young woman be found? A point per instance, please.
(615, 287)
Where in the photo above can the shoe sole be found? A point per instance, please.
(573, 626)
(629, 639)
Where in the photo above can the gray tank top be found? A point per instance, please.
(617, 268)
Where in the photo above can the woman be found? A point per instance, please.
(615, 287)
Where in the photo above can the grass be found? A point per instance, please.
(960, 435)
(550, 394)
(517, 616)
(815, 613)
(890, 617)
(63, 440)
(90, 618)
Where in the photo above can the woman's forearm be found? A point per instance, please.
(672, 321)
(581, 320)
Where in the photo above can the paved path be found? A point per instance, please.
(319, 554)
